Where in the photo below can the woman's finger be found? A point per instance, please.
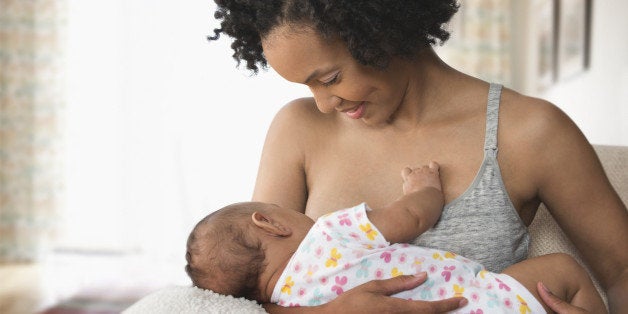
(555, 303)
(396, 284)
(406, 282)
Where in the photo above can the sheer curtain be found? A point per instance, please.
(481, 40)
(162, 128)
(31, 108)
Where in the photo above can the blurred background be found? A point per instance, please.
(121, 126)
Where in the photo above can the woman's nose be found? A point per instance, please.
(326, 102)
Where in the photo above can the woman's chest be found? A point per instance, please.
(345, 175)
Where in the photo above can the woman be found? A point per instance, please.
(383, 100)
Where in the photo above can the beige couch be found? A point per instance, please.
(546, 235)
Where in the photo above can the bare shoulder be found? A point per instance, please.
(298, 118)
(539, 146)
(534, 128)
(533, 119)
(299, 108)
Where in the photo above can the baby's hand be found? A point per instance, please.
(415, 179)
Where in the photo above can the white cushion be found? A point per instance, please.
(192, 300)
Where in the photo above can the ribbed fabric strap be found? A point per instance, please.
(492, 117)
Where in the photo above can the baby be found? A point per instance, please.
(272, 254)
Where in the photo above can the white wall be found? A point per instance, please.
(161, 127)
(597, 100)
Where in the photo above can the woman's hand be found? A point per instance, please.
(374, 297)
(555, 303)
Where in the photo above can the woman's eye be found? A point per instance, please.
(331, 81)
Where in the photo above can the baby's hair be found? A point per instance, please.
(222, 257)
(374, 30)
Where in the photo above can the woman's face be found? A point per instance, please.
(337, 81)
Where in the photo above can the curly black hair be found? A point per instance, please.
(374, 30)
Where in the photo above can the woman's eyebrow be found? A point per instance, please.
(311, 76)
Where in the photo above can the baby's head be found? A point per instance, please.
(223, 255)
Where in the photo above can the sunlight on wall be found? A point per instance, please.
(161, 127)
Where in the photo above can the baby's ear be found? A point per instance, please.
(266, 223)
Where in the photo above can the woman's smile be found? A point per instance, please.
(356, 112)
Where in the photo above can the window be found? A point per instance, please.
(161, 127)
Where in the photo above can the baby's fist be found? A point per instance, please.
(415, 179)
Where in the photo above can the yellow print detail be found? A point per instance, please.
(458, 291)
(395, 272)
(368, 229)
(482, 273)
(287, 287)
(437, 256)
(523, 308)
(333, 259)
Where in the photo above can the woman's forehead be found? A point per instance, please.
(296, 53)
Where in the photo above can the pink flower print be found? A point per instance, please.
(447, 272)
(293, 304)
(302, 292)
(310, 272)
(404, 245)
(358, 215)
(379, 273)
(489, 286)
(328, 223)
(323, 280)
(354, 236)
(442, 293)
(402, 258)
(432, 268)
(475, 297)
(344, 220)
(508, 303)
(474, 283)
(358, 253)
(478, 311)
(386, 256)
(460, 280)
(347, 266)
(319, 252)
(502, 285)
(340, 281)
(297, 267)
(417, 264)
(326, 236)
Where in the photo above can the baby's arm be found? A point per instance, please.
(417, 210)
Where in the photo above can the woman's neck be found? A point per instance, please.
(431, 86)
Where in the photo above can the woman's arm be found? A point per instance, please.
(281, 174)
(373, 297)
(572, 184)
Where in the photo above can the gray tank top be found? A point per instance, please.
(482, 223)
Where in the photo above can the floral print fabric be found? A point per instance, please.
(344, 249)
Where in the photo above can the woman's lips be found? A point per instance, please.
(356, 112)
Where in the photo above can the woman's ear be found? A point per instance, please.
(266, 223)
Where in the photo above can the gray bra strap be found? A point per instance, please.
(492, 116)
